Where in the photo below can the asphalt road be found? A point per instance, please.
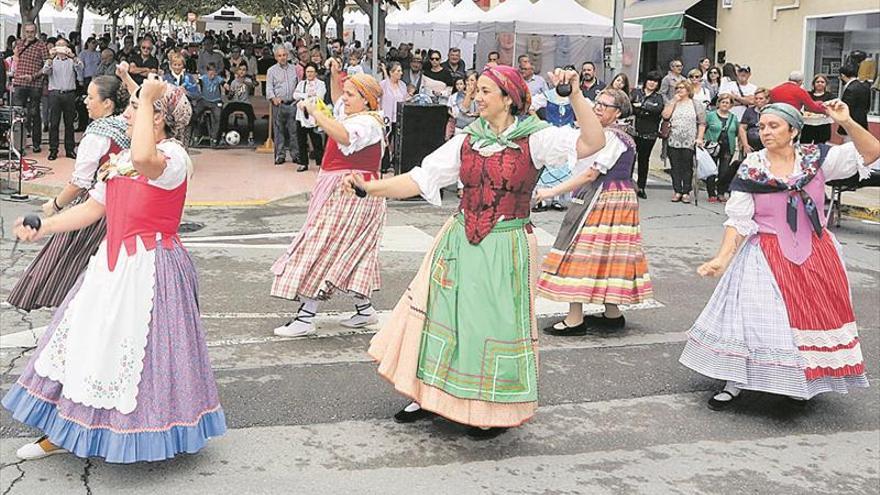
(618, 413)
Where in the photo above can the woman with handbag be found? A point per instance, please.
(687, 123)
(721, 130)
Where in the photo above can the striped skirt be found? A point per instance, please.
(605, 263)
(56, 268)
(778, 327)
(338, 246)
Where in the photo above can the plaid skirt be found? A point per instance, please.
(605, 263)
(774, 326)
(337, 248)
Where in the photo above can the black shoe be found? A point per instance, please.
(477, 433)
(53, 155)
(297, 159)
(558, 206)
(599, 321)
(279, 161)
(302, 168)
(720, 405)
(37, 149)
(539, 207)
(642, 194)
(567, 331)
(411, 417)
(71, 155)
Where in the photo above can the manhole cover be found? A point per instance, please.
(188, 227)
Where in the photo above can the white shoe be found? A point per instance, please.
(295, 328)
(360, 320)
(33, 450)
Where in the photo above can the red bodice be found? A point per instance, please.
(495, 186)
(135, 208)
(368, 159)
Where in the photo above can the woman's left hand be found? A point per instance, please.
(700, 143)
(49, 208)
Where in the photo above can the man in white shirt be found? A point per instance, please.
(742, 90)
(537, 84)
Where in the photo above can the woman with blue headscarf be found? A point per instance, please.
(781, 319)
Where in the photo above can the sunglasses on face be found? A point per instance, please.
(602, 106)
(435, 59)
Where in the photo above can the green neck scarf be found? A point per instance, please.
(482, 135)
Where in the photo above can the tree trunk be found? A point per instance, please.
(29, 10)
(80, 14)
(323, 38)
(340, 21)
(115, 18)
(367, 7)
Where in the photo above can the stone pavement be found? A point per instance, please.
(617, 415)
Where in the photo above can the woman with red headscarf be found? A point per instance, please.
(462, 343)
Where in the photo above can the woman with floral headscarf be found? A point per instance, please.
(122, 372)
(338, 247)
(462, 343)
(781, 319)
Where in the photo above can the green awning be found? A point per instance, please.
(661, 28)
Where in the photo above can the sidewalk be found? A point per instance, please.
(222, 177)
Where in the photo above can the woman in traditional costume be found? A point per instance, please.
(122, 372)
(597, 257)
(61, 261)
(462, 342)
(337, 249)
(781, 319)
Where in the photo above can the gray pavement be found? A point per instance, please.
(618, 413)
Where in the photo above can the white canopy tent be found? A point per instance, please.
(229, 17)
(436, 28)
(553, 32)
(355, 25)
(52, 21)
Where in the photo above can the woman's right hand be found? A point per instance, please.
(714, 267)
(352, 180)
(26, 233)
(122, 70)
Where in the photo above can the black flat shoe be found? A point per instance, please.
(720, 405)
(410, 417)
(566, 331)
(477, 433)
(302, 168)
(600, 321)
(53, 155)
(71, 155)
(539, 207)
(642, 194)
(558, 206)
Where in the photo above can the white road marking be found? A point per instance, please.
(395, 238)
(327, 324)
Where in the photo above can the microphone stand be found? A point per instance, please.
(14, 119)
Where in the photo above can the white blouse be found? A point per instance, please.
(92, 148)
(553, 147)
(841, 162)
(363, 130)
(177, 165)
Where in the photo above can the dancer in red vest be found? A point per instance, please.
(122, 372)
(337, 249)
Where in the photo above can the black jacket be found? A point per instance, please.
(647, 111)
(858, 97)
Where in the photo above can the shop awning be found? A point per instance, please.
(661, 20)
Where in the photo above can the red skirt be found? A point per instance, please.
(817, 299)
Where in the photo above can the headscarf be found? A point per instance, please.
(176, 108)
(511, 82)
(114, 128)
(786, 112)
(368, 88)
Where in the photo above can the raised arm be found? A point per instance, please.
(145, 157)
(592, 137)
(866, 144)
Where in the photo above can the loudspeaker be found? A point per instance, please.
(420, 131)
